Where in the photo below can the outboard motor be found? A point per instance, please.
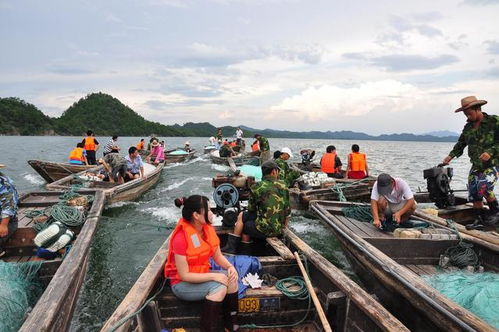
(438, 185)
(226, 197)
(307, 155)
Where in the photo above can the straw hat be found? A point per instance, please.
(154, 143)
(468, 102)
(2, 166)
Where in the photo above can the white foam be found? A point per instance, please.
(34, 179)
(122, 203)
(220, 168)
(176, 185)
(192, 161)
(164, 213)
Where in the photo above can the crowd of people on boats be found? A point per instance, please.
(194, 241)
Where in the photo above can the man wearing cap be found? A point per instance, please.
(267, 214)
(286, 174)
(391, 201)
(263, 147)
(481, 136)
(8, 209)
(226, 150)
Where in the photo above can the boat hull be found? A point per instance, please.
(52, 171)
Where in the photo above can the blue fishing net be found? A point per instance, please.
(249, 170)
(178, 152)
(20, 288)
(477, 292)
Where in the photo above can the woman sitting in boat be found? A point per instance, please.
(192, 243)
(157, 154)
(78, 155)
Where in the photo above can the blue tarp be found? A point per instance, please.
(249, 170)
(178, 152)
(244, 265)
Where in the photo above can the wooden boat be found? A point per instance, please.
(391, 268)
(114, 192)
(305, 168)
(347, 306)
(209, 148)
(239, 160)
(62, 278)
(178, 158)
(52, 171)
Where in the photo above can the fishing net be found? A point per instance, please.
(358, 212)
(19, 291)
(477, 292)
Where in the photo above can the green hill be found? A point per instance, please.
(106, 115)
(18, 117)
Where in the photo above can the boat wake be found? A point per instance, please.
(176, 185)
(220, 168)
(169, 213)
(192, 161)
(120, 204)
(34, 179)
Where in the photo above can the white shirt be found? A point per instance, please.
(400, 192)
(239, 133)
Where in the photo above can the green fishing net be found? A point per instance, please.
(477, 292)
(20, 288)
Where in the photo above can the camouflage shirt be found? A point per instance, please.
(8, 197)
(264, 143)
(115, 160)
(225, 151)
(270, 200)
(482, 139)
(286, 174)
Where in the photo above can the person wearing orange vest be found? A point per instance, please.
(192, 243)
(140, 145)
(91, 145)
(255, 146)
(357, 164)
(77, 155)
(331, 163)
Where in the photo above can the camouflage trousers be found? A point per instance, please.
(481, 184)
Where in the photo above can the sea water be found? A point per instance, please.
(128, 235)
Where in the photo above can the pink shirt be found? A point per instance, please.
(159, 153)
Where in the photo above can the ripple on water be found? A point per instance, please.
(34, 179)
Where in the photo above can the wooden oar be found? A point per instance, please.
(232, 164)
(310, 288)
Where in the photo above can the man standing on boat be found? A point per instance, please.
(239, 136)
(481, 136)
(392, 201)
(90, 145)
(264, 148)
(286, 174)
(9, 200)
(267, 214)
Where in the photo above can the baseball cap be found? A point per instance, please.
(384, 184)
(269, 166)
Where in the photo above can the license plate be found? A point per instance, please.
(249, 304)
(254, 304)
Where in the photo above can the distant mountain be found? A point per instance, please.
(441, 133)
(106, 115)
(18, 117)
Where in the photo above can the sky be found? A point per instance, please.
(370, 66)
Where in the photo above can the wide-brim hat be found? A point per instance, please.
(288, 151)
(468, 102)
(154, 143)
(2, 166)
(187, 143)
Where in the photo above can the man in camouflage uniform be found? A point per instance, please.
(116, 167)
(264, 148)
(286, 174)
(268, 211)
(481, 135)
(8, 208)
(226, 150)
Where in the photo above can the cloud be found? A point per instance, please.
(327, 101)
(481, 2)
(493, 46)
(398, 62)
(156, 105)
(428, 31)
(428, 16)
(113, 19)
(69, 69)
(403, 28)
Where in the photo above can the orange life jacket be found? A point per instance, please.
(140, 146)
(255, 146)
(76, 155)
(198, 251)
(232, 144)
(328, 163)
(357, 161)
(89, 143)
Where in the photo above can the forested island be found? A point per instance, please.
(106, 116)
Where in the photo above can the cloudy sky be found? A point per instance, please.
(372, 66)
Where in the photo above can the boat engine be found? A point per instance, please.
(438, 185)
(307, 155)
(228, 194)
